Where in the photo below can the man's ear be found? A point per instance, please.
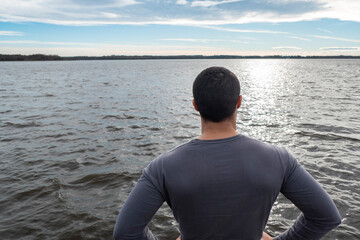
(194, 104)
(238, 104)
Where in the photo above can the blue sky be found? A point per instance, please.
(180, 27)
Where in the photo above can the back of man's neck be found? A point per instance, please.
(212, 130)
(214, 136)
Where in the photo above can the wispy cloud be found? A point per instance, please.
(324, 30)
(335, 38)
(340, 48)
(202, 40)
(209, 3)
(346, 10)
(245, 30)
(109, 15)
(181, 2)
(10, 33)
(300, 38)
(287, 47)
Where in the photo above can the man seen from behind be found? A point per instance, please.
(222, 185)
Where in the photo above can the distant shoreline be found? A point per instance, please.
(42, 57)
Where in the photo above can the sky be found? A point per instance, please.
(180, 27)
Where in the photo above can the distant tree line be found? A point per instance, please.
(34, 57)
(42, 57)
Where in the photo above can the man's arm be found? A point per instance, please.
(319, 213)
(141, 205)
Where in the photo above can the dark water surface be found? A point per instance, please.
(74, 136)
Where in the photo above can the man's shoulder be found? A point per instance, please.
(176, 151)
(171, 153)
(251, 142)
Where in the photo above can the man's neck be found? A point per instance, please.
(218, 130)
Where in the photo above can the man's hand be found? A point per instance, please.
(179, 238)
(265, 236)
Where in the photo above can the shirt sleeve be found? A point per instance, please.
(141, 205)
(319, 213)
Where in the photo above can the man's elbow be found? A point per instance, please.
(332, 221)
(120, 233)
(117, 234)
(336, 220)
(124, 234)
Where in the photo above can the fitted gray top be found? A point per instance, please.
(224, 189)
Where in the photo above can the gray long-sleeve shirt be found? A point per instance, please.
(224, 189)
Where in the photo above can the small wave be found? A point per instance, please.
(32, 117)
(114, 128)
(124, 116)
(21, 125)
(58, 135)
(181, 137)
(149, 154)
(72, 103)
(7, 139)
(45, 95)
(327, 136)
(136, 127)
(154, 129)
(116, 139)
(56, 183)
(144, 145)
(144, 118)
(70, 140)
(105, 178)
(189, 126)
(36, 192)
(70, 166)
(82, 150)
(7, 111)
(264, 125)
(326, 128)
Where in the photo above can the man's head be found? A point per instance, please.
(216, 93)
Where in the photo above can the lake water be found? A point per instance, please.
(75, 136)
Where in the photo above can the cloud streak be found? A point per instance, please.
(10, 33)
(245, 30)
(181, 2)
(202, 40)
(340, 48)
(335, 38)
(210, 3)
(324, 30)
(300, 38)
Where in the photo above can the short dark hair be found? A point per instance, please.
(216, 91)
